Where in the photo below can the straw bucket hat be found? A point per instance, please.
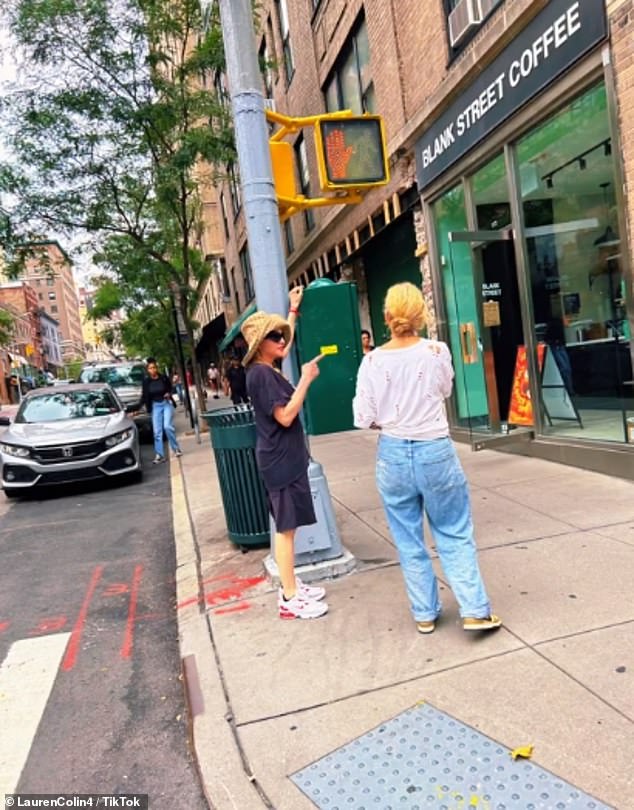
(256, 328)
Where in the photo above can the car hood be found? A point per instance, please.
(129, 393)
(66, 431)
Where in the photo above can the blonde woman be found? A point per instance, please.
(401, 388)
(281, 451)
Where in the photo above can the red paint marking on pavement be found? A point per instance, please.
(232, 609)
(70, 658)
(49, 625)
(187, 602)
(116, 589)
(126, 647)
(4, 626)
(234, 591)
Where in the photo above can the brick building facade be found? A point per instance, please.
(511, 199)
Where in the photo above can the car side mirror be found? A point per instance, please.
(4, 421)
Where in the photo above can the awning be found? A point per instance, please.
(236, 326)
(17, 360)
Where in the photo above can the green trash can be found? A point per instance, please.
(232, 433)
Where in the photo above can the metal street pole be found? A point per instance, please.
(263, 231)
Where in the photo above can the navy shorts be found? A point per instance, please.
(292, 506)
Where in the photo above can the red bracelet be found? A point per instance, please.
(294, 311)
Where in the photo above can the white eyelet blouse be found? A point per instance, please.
(403, 391)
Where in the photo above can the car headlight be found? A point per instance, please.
(15, 450)
(117, 438)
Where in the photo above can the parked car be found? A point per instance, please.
(127, 381)
(65, 434)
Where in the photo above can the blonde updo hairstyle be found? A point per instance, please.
(404, 309)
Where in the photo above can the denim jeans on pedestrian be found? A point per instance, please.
(425, 477)
(163, 420)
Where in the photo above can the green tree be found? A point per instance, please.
(6, 327)
(115, 130)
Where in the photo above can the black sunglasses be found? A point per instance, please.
(275, 336)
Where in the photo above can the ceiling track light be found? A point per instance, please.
(549, 181)
(582, 163)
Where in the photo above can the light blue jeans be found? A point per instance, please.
(163, 420)
(414, 478)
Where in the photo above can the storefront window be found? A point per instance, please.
(577, 279)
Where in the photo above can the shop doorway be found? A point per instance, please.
(488, 326)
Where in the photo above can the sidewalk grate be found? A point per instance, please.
(424, 759)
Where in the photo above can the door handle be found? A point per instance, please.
(469, 343)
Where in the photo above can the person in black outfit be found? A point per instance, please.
(157, 397)
(281, 452)
(237, 379)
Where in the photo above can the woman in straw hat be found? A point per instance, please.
(281, 450)
(401, 389)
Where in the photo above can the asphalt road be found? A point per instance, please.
(89, 573)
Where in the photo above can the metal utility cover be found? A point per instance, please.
(423, 759)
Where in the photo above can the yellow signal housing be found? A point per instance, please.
(351, 152)
(283, 169)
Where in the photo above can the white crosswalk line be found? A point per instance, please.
(27, 675)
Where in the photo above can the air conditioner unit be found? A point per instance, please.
(465, 16)
(487, 6)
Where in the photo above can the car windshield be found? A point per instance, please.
(115, 376)
(67, 405)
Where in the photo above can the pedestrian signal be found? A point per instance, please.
(351, 152)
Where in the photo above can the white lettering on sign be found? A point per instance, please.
(442, 142)
(564, 27)
(481, 105)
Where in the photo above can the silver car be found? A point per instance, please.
(65, 434)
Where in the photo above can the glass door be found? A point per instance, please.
(491, 372)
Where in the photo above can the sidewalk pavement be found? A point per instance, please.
(270, 697)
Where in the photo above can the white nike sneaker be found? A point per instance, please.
(298, 607)
(310, 591)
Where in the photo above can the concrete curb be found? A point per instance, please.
(222, 768)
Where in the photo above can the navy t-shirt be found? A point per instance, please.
(280, 451)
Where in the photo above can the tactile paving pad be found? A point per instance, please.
(423, 759)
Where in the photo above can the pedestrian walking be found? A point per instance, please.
(401, 388)
(281, 450)
(177, 385)
(213, 378)
(237, 382)
(157, 396)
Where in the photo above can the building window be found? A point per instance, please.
(247, 273)
(54, 308)
(234, 188)
(50, 282)
(40, 296)
(465, 23)
(304, 179)
(285, 36)
(38, 282)
(235, 290)
(51, 296)
(223, 208)
(288, 237)
(224, 279)
(350, 85)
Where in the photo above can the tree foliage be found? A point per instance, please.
(116, 128)
(6, 327)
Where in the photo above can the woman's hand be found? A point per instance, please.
(310, 370)
(295, 297)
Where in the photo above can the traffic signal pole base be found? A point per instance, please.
(318, 546)
(312, 572)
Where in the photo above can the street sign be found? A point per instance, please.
(351, 152)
